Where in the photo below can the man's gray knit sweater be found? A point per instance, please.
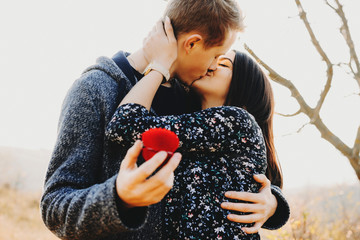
(80, 200)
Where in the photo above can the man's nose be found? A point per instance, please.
(210, 73)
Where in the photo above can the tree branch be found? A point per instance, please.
(298, 131)
(314, 113)
(331, 6)
(333, 139)
(325, 58)
(304, 107)
(289, 115)
(325, 91)
(345, 32)
(352, 69)
(348, 66)
(301, 128)
(356, 148)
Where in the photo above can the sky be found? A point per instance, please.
(45, 46)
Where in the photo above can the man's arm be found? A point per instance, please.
(75, 203)
(282, 213)
(268, 208)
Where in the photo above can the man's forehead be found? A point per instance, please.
(228, 42)
(222, 51)
(230, 39)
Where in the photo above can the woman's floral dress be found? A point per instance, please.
(222, 148)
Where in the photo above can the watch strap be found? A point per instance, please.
(159, 68)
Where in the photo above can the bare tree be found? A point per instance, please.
(313, 113)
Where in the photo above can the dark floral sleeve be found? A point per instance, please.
(218, 129)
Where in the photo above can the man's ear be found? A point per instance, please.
(192, 41)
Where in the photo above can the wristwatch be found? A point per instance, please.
(159, 68)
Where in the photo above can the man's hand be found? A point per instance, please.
(134, 185)
(160, 45)
(263, 205)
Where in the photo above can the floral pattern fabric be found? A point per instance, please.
(222, 148)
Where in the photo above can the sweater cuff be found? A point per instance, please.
(282, 213)
(132, 218)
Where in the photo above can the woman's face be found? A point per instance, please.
(216, 84)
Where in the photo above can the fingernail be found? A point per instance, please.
(167, 18)
(224, 205)
(162, 154)
(227, 194)
(177, 157)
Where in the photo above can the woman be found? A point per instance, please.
(222, 144)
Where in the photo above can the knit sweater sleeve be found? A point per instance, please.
(76, 204)
(282, 213)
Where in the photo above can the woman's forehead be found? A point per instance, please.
(230, 55)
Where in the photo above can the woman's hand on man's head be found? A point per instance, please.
(263, 205)
(160, 45)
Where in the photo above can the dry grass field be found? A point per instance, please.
(319, 214)
(331, 213)
(20, 216)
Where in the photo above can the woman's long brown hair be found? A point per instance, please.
(250, 89)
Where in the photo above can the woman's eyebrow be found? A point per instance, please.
(227, 59)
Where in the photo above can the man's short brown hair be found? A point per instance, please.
(212, 18)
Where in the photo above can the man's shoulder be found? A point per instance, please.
(94, 86)
(104, 75)
(104, 68)
(95, 82)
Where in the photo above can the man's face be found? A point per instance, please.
(195, 64)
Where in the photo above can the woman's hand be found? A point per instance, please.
(160, 45)
(263, 205)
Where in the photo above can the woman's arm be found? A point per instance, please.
(161, 48)
(220, 129)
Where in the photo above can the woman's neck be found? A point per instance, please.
(211, 101)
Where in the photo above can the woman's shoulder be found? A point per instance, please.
(230, 111)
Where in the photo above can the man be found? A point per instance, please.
(86, 195)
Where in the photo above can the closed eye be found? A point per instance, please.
(225, 62)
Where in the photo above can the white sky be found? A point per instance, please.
(45, 45)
